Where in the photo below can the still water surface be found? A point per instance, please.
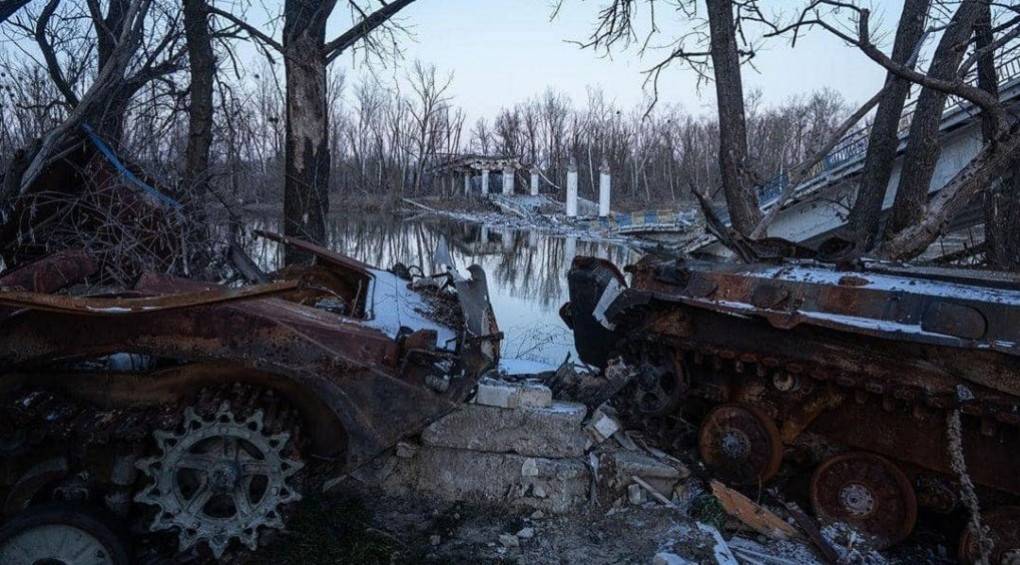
(527, 270)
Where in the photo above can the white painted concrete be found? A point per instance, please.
(508, 181)
(572, 190)
(605, 189)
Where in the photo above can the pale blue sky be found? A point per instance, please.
(504, 51)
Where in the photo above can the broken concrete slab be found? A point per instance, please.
(504, 394)
(554, 431)
(551, 485)
(619, 468)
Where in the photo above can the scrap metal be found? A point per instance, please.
(357, 353)
(854, 370)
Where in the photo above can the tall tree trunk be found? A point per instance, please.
(1002, 202)
(1002, 222)
(200, 117)
(883, 139)
(923, 146)
(108, 118)
(738, 181)
(306, 185)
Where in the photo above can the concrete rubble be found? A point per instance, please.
(515, 445)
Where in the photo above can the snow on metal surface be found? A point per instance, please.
(394, 306)
(889, 283)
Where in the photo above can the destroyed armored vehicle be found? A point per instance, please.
(880, 380)
(194, 415)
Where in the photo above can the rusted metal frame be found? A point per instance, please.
(374, 407)
(985, 366)
(116, 307)
(948, 321)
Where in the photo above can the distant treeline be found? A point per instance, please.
(386, 137)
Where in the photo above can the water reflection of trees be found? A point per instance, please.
(526, 265)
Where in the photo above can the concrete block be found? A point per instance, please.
(503, 394)
(617, 469)
(603, 425)
(557, 485)
(542, 432)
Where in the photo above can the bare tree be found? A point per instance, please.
(738, 179)
(883, 139)
(306, 55)
(921, 222)
(202, 64)
(923, 146)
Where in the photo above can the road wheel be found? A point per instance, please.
(868, 492)
(60, 534)
(740, 444)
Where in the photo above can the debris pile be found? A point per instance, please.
(514, 444)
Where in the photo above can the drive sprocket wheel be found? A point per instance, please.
(219, 479)
(740, 444)
(1004, 530)
(868, 492)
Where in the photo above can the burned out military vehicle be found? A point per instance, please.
(881, 378)
(194, 415)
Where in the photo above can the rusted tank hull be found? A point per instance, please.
(200, 386)
(866, 362)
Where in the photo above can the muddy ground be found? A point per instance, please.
(355, 525)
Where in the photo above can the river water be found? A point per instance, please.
(526, 269)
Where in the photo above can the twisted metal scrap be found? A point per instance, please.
(226, 470)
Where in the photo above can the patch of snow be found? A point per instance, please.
(394, 306)
(109, 310)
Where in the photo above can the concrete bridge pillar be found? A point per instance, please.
(485, 182)
(508, 181)
(534, 181)
(572, 189)
(605, 186)
(467, 183)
